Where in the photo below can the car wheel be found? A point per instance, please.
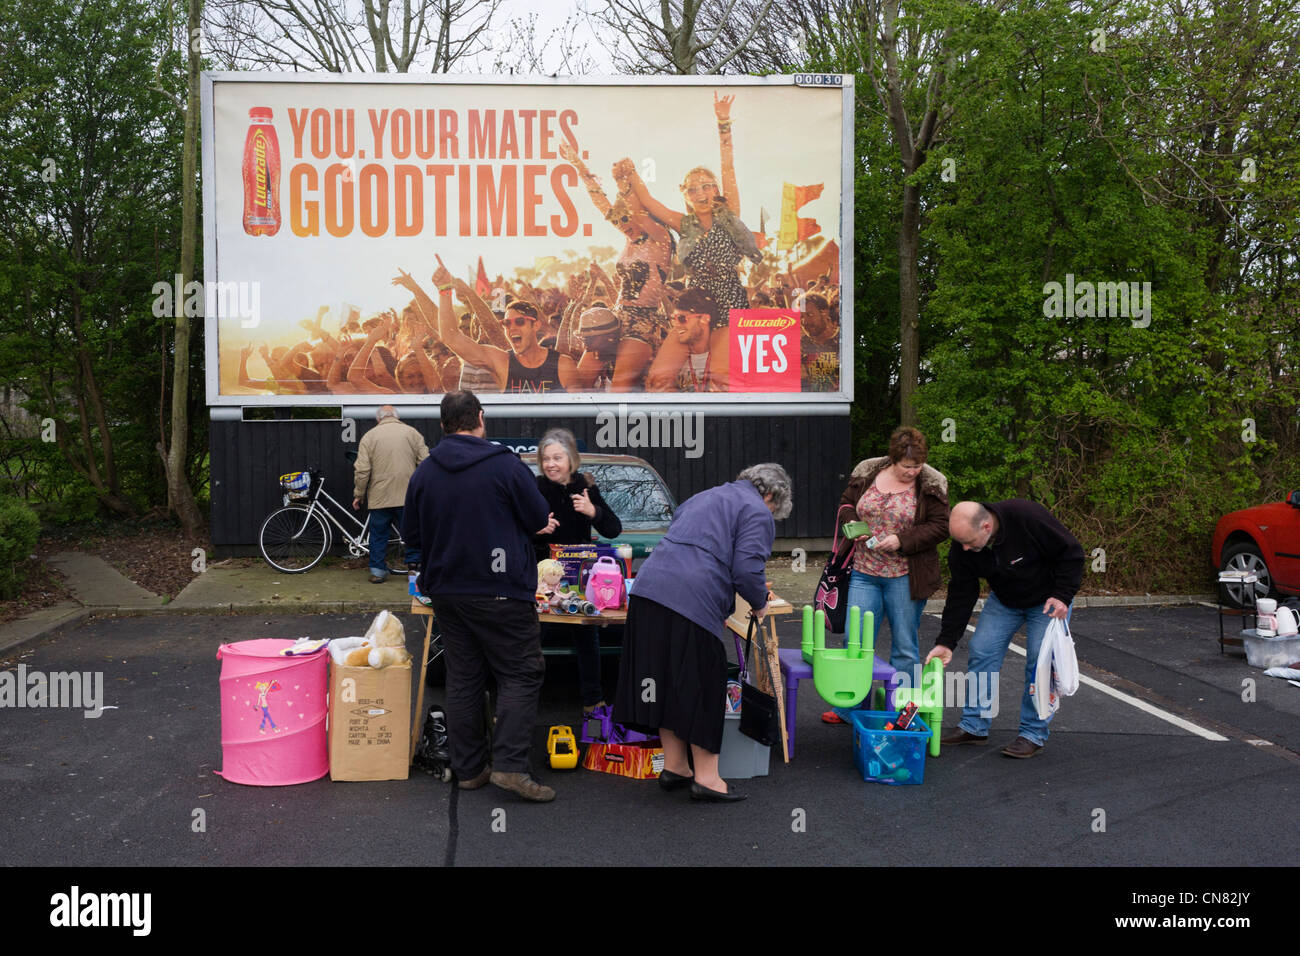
(1244, 556)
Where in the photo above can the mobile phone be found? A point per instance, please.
(856, 529)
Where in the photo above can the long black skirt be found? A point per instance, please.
(688, 667)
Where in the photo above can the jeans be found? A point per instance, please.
(988, 646)
(381, 519)
(893, 597)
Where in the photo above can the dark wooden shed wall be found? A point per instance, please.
(248, 458)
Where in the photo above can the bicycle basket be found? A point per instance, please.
(296, 483)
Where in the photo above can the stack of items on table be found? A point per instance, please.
(584, 579)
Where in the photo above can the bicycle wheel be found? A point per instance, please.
(293, 539)
(395, 554)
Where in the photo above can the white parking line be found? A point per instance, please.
(1137, 702)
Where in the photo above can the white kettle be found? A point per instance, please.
(1287, 624)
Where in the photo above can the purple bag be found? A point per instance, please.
(599, 727)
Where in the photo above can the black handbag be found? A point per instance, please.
(833, 588)
(759, 718)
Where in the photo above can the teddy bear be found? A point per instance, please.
(385, 644)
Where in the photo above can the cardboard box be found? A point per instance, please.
(370, 722)
(625, 760)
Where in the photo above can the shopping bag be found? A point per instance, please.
(1057, 671)
(833, 588)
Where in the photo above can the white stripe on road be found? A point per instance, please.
(1137, 702)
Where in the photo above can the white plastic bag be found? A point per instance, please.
(1058, 669)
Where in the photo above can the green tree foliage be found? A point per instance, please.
(89, 199)
(1072, 158)
(19, 528)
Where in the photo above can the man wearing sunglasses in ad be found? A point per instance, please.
(689, 323)
(527, 366)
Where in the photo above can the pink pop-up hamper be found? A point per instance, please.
(273, 712)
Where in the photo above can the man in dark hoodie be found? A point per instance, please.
(473, 507)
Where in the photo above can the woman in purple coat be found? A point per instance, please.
(673, 652)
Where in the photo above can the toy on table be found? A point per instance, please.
(928, 699)
(562, 747)
(555, 595)
(550, 576)
(605, 585)
(842, 676)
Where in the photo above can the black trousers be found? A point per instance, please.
(586, 641)
(500, 635)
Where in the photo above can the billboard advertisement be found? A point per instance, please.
(392, 238)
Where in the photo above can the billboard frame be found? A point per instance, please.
(556, 403)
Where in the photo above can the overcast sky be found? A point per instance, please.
(551, 17)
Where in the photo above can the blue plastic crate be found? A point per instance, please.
(888, 756)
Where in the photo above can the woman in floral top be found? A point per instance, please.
(712, 241)
(905, 504)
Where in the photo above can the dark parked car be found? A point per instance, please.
(636, 493)
(1264, 539)
(644, 505)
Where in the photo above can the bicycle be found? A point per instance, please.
(295, 537)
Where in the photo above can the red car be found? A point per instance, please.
(1264, 539)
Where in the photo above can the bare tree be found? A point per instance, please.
(342, 36)
(521, 49)
(180, 497)
(681, 36)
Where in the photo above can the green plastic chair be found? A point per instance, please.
(841, 675)
(928, 699)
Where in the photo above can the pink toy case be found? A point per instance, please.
(605, 586)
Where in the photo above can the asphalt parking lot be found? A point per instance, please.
(1132, 774)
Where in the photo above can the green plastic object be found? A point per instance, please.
(841, 675)
(928, 699)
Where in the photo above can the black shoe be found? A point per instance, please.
(674, 781)
(713, 796)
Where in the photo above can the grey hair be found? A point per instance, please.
(385, 411)
(564, 438)
(770, 479)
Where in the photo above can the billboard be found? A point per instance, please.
(392, 238)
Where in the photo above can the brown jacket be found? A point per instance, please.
(386, 459)
(918, 543)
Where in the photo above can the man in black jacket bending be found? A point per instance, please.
(1034, 567)
(473, 507)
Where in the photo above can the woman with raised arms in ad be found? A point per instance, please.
(713, 240)
(642, 269)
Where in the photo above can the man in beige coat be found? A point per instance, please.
(386, 459)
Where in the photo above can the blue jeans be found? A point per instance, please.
(893, 597)
(988, 646)
(381, 519)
